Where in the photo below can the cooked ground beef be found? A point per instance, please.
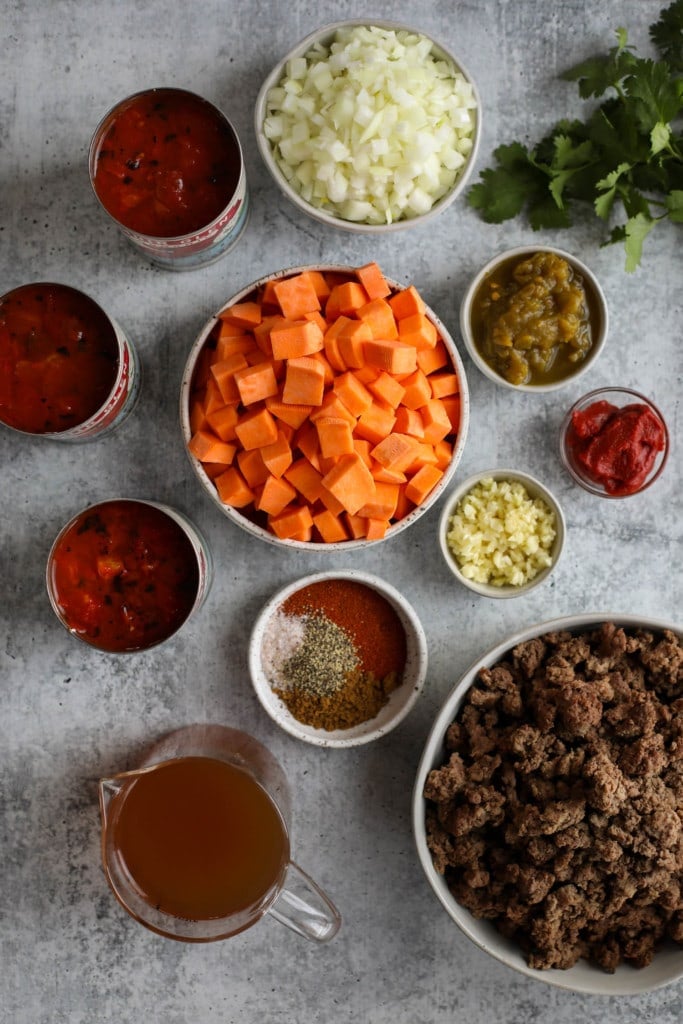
(558, 813)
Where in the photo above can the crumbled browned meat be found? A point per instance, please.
(558, 813)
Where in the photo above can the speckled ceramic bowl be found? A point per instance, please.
(535, 489)
(251, 522)
(401, 699)
(597, 303)
(667, 965)
(324, 36)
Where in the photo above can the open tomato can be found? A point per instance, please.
(67, 370)
(124, 575)
(167, 167)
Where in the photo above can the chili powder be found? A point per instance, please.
(364, 614)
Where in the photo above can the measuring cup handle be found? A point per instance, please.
(304, 907)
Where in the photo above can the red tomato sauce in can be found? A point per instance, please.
(166, 163)
(59, 358)
(123, 575)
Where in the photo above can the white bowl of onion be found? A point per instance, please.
(369, 126)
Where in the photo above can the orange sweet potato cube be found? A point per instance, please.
(351, 482)
(304, 381)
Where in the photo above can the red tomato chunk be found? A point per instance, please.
(167, 163)
(125, 576)
(58, 358)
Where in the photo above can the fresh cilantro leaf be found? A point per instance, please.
(511, 156)
(667, 35)
(568, 158)
(504, 191)
(628, 150)
(617, 234)
(659, 137)
(655, 94)
(615, 133)
(634, 201)
(674, 204)
(598, 74)
(544, 213)
(604, 202)
(637, 230)
(570, 154)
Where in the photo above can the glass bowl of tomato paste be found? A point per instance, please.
(124, 575)
(614, 442)
(67, 370)
(167, 167)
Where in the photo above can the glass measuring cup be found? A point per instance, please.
(195, 842)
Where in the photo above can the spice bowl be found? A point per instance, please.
(313, 168)
(338, 659)
(499, 526)
(614, 442)
(492, 308)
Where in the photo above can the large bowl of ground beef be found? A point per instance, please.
(548, 804)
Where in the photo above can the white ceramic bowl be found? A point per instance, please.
(256, 530)
(401, 700)
(667, 965)
(324, 36)
(535, 489)
(599, 318)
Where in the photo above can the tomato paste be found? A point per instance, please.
(124, 576)
(167, 163)
(616, 447)
(59, 358)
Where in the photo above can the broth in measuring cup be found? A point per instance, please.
(199, 838)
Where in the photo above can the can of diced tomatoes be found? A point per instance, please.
(67, 370)
(167, 167)
(125, 574)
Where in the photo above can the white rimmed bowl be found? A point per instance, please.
(248, 524)
(402, 698)
(535, 489)
(599, 317)
(667, 965)
(324, 36)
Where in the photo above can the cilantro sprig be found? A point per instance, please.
(626, 155)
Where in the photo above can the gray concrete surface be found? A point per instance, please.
(68, 953)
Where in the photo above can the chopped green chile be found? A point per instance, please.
(532, 319)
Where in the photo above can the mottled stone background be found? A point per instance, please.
(68, 954)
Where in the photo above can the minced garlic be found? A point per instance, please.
(500, 535)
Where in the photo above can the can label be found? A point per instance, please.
(121, 401)
(207, 245)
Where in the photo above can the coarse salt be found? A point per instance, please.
(282, 638)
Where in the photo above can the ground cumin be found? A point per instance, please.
(360, 698)
(350, 659)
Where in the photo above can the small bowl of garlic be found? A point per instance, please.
(501, 533)
(369, 126)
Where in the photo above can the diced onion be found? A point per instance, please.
(373, 128)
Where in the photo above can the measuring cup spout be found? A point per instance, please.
(108, 789)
